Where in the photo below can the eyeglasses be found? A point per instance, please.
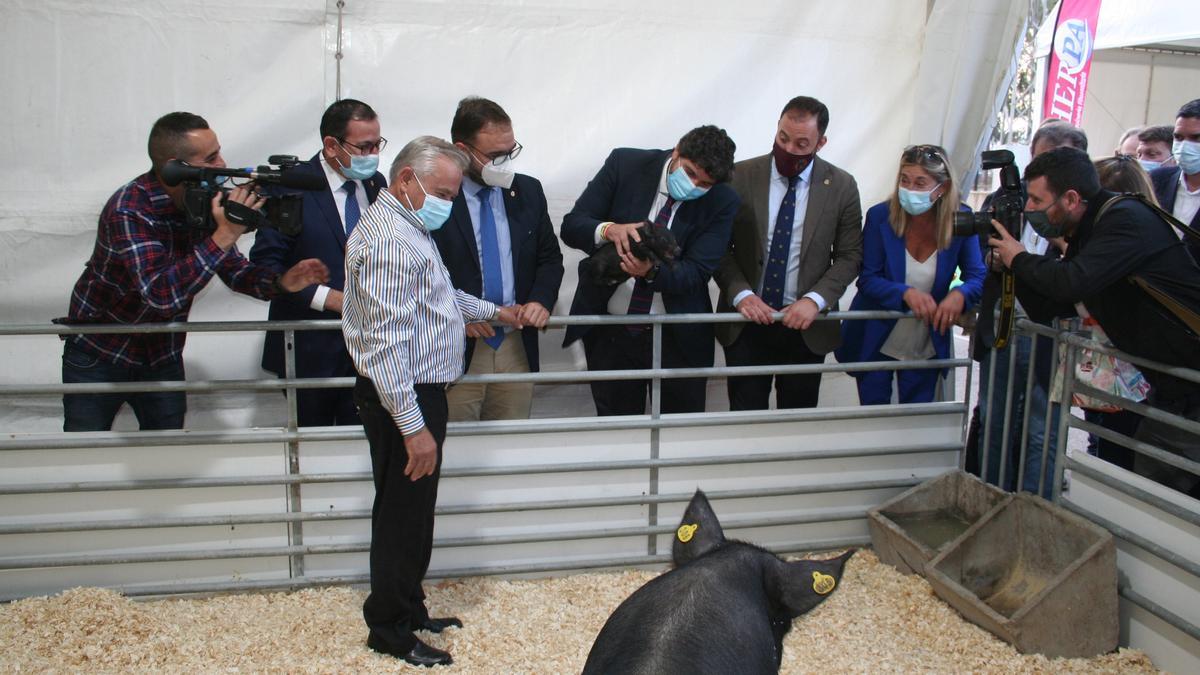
(932, 153)
(501, 157)
(366, 148)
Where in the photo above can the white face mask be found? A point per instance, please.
(500, 176)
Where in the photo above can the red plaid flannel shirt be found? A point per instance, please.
(147, 267)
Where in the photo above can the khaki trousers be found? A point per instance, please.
(506, 401)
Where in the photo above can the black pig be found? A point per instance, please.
(658, 245)
(725, 608)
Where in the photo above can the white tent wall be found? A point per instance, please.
(85, 82)
(1131, 88)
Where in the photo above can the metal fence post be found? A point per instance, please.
(655, 413)
(295, 527)
(1064, 414)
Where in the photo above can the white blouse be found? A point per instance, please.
(910, 339)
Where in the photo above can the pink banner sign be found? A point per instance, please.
(1071, 60)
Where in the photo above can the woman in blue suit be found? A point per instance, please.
(909, 260)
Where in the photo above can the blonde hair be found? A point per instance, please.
(934, 161)
(1123, 173)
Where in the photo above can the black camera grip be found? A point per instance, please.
(240, 214)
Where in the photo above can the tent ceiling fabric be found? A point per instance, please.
(1128, 23)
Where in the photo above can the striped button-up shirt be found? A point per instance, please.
(402, 318)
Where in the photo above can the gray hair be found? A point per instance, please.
(1059, 135)
(422, 152)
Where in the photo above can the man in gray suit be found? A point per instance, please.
(797, 244)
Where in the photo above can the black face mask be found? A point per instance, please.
(787, 164)
(1040, 222)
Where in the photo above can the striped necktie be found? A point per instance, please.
(639, 302)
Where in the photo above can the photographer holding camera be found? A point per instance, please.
(1126, 263)
(147, 267)
(993, 381)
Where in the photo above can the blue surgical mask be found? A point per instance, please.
(915, 203)
(1187, 155)
(361, 167)
(681, 188)
(434, 212)
(1149, 165)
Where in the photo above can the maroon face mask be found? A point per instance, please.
(787, 164)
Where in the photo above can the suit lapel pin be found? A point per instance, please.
(827, 181)
(512, 193)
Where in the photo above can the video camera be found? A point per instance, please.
(281, 211)
(1007, 203)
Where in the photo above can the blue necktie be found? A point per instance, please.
(493, 280)
(775, 276)
(352, 212)
(642, 297)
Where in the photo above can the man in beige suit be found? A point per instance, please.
(797, 244)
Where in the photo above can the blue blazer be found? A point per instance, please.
(537, 258)
(623, 192)
(881, 286)
(318, 353)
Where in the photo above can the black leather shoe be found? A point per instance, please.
(439, 624)
(420, 655)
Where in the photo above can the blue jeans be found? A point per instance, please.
(991, 420)
(96, 412)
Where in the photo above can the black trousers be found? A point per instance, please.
(616, 348)
(401, 517)
(772, 345)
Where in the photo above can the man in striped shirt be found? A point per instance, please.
(404, 327)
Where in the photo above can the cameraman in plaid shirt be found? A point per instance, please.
(146, 267)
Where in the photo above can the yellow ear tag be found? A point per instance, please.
(685, 532)
(823, 583)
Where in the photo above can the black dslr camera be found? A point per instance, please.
(1007, 203)
(281, 211)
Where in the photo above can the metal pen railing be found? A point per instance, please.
(1066, 420)
(293, 478)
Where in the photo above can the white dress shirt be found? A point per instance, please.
(402, 318)
(778, 190)
(1186, 203)
(337, 186)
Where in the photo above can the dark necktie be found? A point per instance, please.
(639, 302)
(493, 279)
(352, 212)
(775, 276)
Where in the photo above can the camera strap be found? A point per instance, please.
(1181, 311)
(1008, 309)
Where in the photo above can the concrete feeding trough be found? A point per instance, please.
(1036, 576)
(911, 529)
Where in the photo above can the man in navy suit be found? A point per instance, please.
(686, 190)
(1178, 187)
(349, 156)
(499, 245)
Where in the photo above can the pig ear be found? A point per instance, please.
(802, 585)
(699, 531)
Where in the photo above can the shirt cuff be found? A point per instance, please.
(737, 299)
(318, 298)
(599, 239)
(816, 297)
(409, 421)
